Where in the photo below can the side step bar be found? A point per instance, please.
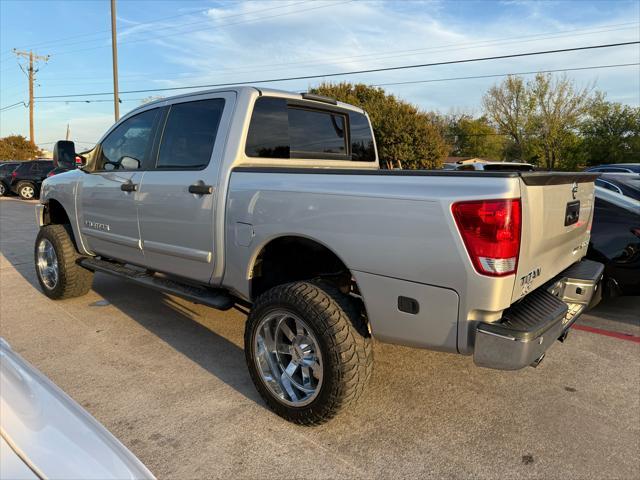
(219, 299)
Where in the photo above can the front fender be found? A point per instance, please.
(63, 189)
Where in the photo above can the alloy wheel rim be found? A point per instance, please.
(27, 192)
(288, 358)
(47, 262)
(1, 189)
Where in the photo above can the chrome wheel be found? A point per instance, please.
(288, 358)
(2, 189)
(27, 192)
(47, 263)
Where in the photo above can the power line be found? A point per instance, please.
(594, 67)
(432, 80)
(357, 72)
(12, 105)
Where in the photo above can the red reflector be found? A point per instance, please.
(490, 230)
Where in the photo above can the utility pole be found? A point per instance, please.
(114, 54)
(31, 71)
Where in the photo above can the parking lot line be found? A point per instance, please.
(608, 333)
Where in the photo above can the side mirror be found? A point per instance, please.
(64, 154)
(129, 163)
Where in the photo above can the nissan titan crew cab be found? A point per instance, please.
(274, 202)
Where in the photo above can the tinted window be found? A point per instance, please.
(189, 134)
(268, 135)
(314, 133)
(132, 138)
(7, 168)
(362, 149)
(43, 167)
(279, 130)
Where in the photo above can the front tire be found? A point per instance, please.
(55, 256)
(3, 189)
(308, 351)
(26, 191)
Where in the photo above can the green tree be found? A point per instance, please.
(475, 137)
(560, 107)
(405, 136)
(610, 133)
(510, 106)
(17, 147)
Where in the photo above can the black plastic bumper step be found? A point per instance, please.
(219, 299)
(530, 317)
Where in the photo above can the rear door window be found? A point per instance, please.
(189, 134)
(282, 130)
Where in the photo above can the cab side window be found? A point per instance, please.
(129, 145)
(189, 134)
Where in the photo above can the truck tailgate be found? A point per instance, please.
(557, 210)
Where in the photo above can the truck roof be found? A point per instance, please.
(269, 92)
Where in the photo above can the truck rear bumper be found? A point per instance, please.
(528, 328)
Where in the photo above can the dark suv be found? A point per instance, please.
(28, 177)
(5, 176)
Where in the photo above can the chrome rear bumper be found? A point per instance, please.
(528, 328)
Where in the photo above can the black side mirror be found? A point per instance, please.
(64, 154)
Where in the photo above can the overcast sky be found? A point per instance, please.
(178, 43)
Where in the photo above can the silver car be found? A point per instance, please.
(45, 434)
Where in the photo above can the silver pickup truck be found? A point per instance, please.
(274, 203)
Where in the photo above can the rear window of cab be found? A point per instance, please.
(283, 129)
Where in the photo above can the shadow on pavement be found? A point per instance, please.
(174, 323)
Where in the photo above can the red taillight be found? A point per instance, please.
(51, 173)
(490, 230)
(14, 174)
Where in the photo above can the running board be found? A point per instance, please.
(219, 299)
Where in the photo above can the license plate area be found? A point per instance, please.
(572, 213)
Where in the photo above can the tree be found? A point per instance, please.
(610, 133)
(510, 106)
(405, 136)
(17, 147)
(559, 108)
(475, 137)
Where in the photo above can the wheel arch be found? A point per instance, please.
(298, 257)
(53, 212)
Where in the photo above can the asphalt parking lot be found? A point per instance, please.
(168, 378)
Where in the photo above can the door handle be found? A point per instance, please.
(201, 189)
(129, 187)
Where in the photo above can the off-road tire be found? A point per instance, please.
(73, 280)
(345, 344)
(21, 186)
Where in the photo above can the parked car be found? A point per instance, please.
(27, 178)
(616, 168)
(627, 184)
(275, 202)
(45, 434)
(5, 176)
(615, 234)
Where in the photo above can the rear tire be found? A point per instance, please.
(314, 326)
(26, 191)
(3, 189)
(55, 257)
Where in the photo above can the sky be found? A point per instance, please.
(163, 44)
